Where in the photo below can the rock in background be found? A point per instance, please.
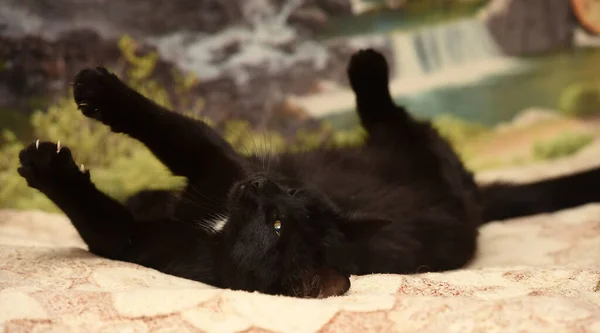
(35, 71)
(522, 27)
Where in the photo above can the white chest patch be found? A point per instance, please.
(219, 224)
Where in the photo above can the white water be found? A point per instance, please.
(259, 45)
(460, 52)
(361, 6)
(407, 61)
(443, 47)
(18, 22)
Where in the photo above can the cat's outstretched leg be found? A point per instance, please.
(104, 224)
(368, 73)
(186, 146)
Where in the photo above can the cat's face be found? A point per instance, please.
(285, 238)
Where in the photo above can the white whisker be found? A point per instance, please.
(213, 225)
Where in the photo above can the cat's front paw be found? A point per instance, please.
(96, 91)
(368, 71)
(47, 165)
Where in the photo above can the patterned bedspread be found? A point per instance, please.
(536, 274)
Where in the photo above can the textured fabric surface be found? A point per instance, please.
(536, 274)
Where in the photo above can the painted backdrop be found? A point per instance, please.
(508, 82)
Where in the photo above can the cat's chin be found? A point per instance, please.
(327, 282)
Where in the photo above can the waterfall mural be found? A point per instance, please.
(443, 47)
(448, 54)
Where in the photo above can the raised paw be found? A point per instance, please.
(368, 72)
(47, 165)
(96, 91)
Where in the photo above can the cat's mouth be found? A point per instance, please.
(325, 282)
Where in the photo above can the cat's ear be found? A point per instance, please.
(332, 283)
(358, 227)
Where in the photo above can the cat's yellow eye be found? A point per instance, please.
(277, 227)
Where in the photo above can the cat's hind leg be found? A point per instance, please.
(368, 72)
(103, 223)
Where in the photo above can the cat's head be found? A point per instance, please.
(287, 238)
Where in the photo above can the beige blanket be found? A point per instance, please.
(537, 274)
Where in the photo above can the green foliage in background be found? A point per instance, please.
(563, 145)
(581, 100)
(16, 121)
(459, 133)
(12, 187)
(456, 130)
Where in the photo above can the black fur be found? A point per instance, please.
(503, 201)
(402, 203)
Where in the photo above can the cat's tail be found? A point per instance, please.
(505, 200)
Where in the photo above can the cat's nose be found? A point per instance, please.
(263, 185)
(258, 183)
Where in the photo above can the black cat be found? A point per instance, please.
(298, 224)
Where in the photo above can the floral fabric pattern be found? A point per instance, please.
(535, 274)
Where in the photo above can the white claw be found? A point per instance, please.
(82, 168)
(58, 147)
(37, 144)
(83, 104)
